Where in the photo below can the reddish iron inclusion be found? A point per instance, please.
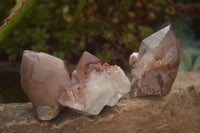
(94, 85)
(156, 64)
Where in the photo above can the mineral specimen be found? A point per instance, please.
(155, 66)
(94, 86)
(43, 78)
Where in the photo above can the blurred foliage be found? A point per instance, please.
(190, 43)
(111, 30)
(16, 15)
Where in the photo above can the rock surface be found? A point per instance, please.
(177, 112)
(43, 78)
(94, 86)
(155, 66)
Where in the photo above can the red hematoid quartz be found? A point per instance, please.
(155, 66)
(94, 85)
(43, 78)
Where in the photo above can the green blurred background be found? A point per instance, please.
(109, 29)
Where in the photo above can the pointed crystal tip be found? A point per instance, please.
(85, 61)
(155, 39)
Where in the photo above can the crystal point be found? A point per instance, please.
(103, 85)
(43, 78)
(85, 61)
(155, 66)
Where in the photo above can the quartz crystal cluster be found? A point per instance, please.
(156, 64)
(46, 82)
(94, 85)
(43, 78)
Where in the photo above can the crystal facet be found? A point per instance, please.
(155, 66)
(84, 62)
(101, 85)
(43, 78)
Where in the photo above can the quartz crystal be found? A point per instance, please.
(156, 64)
(43, 78)
(94, 85)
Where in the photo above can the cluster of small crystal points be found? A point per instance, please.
(94, 86)
(46, 81)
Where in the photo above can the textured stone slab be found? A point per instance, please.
(177, 112)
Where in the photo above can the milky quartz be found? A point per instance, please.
(43, 78)
(94, 85)
(155, 66)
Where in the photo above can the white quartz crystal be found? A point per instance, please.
(102, 85)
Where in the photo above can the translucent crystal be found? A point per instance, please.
(43, 78)
(103, 85)
(84, 62)
(155, 66)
